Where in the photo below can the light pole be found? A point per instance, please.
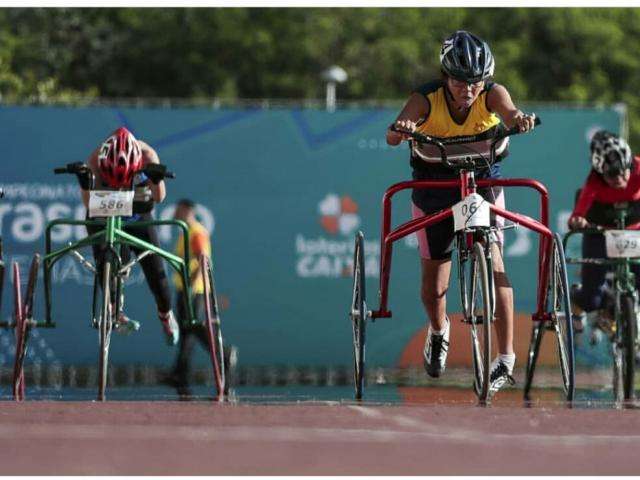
(332, 76)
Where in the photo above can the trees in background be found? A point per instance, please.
(559, 54)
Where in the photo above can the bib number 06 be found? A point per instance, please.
(472, 211)
(105, 203)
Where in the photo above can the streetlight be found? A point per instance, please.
(333, 75)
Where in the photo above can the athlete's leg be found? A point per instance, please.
(504, 302)
(433, 291)
(153, 267)
(435, 246)
(503, 289)
(591, 294)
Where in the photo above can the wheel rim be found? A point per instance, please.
(358, 316)
(561, 317)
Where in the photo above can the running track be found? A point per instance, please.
(199, 438)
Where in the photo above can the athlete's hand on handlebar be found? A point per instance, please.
(83, 173)
(576, 223)
(157, 172)
(401, 130)
(525, 122)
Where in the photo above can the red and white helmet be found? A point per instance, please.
(120, 158)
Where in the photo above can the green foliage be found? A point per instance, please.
(559, 54)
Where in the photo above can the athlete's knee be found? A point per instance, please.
(432, 294)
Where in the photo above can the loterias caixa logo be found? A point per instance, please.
(330, 254)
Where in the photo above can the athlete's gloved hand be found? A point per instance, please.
(156, 172)
(84, 175)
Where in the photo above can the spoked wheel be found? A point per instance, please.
(560, 309)
(358, 315)
(1, 274)
(537, 332)
(18, 312)
(478, 302)
(214, 330)
(105, 326)
(626, 351)
(24, 315)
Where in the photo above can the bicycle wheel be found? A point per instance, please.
(23, 327)
(18, 313)
(628, 334)
(213, 326)
(1, 273)
(480, 316)
(537, 331)
(105, 325)
(560, 304)
(358, 315)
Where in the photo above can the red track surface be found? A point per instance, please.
(155, 438)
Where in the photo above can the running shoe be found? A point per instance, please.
(170, 327)
(124, 325)
(435, 351)
(500, 375)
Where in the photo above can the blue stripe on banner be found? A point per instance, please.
(317, 140)
(124, 122)
(207, 127)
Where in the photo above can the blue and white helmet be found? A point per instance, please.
(467, 58)
(610, 154)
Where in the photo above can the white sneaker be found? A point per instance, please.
(435, 351)
(500, 374)
(170, 327)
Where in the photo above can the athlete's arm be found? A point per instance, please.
(585, 200)
(149, 155)
(499, 101)
(417, 108)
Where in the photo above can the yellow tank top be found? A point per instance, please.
(198, 235)
(440, 123)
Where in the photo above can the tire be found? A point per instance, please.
(537, 331)
(23, 326)
(480, 301)
(628, 336)
(559, 305)
(19, 320)
(1, 274)
(358, 315)
(214, 330)
(105, 325)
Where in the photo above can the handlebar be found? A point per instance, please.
(152, 170)
(440, 143)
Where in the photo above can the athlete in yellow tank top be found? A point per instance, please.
(441, 121)
(198, 243)
(463, 102)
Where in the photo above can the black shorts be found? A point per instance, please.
(436, 241)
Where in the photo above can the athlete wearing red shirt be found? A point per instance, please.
(615, 177)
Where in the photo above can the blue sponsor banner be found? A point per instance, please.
(283, 193)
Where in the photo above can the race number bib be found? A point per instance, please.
(472, 211)
(622, 243)
(105, 203)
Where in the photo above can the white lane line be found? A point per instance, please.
(366, 411)
(57, 432)
(453, 434)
